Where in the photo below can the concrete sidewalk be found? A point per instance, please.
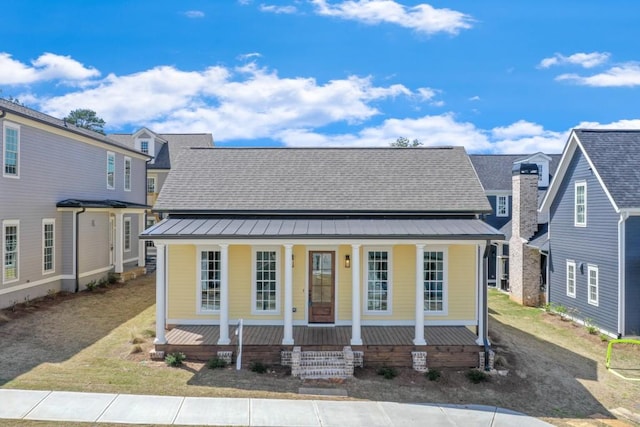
(206, 411)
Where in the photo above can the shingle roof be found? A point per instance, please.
(494, 170)
(323, 180)
(62, 124)
(616, 157)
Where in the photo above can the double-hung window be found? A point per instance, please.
(11, 150)
(580, 212)
(265, 281)
(144, 146)
(127, 234)
(435, 281)
(378, 299)
(571, 278)
(127, 174)
(111, 170)
(209, 281)
(151, 184)
(10, 230)
(592, 278)
(48, 246)
(502, 206)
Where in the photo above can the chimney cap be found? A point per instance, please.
(525, 169)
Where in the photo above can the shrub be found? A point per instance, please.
(258, 367)
(387, 372)
(433, 374)
(175, 359)
(591, 327)
(216, 363)
(604, 338)
(477, 376)
(91, 285)
(561, 310)
(102, 283)
(112, 278)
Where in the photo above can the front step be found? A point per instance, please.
(322, 364)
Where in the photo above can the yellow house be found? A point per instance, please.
(377, 250)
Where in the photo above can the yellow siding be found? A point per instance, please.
(343, 284)
(462, 284)
(182, 283)
(299, 282)
(240, 282)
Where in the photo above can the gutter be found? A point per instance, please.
(77, 254)
(485, 297)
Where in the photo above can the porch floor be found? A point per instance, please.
(323, 336)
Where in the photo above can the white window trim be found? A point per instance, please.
(127, 160)
(16, 127)
(9, 223)
(49, 221)
(365, 280)
(126, 239)
(445, 281)
(111, 155)
(254, 285)
(506, 206)
(155, 182)
(575, 204)
(571, 264)
(199, 250)
(591, 268)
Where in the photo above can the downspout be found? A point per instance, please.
(485, 298)
(621, 273)
(77, 254)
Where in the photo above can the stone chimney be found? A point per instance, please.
(524, 262)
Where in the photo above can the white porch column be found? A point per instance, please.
(356, 337)
(224, 295)
(161, 286)
(288, 295)
(119, 243)
(481, 289)
(141, 243)
(419, 332)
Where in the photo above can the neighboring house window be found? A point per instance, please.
(11, 152)
(151, 184)
(127, 234)
(378, 280)
(435, 281)
(265, 279)
(592, 277)
(581, 204)
(150, 221)
(571, 279)
(48, 245)
(502, 208)
(144, 147)
(111, 170)
(10, 229)
(209, 292)
(127, 174)
(149, 244)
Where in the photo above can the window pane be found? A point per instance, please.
(377, 280)
(266, 281)
(434, 281)
(11, 252)
(210, 280)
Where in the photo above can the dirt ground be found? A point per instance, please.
(553, 369)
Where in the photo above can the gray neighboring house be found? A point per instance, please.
(594, 228)
(495, 174)
(72, 203)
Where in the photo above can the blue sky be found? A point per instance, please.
(492, 75)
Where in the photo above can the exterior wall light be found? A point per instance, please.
(347, 261)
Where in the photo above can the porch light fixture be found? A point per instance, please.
(347, 261)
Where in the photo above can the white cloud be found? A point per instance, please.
(426, 94)
(48, 66)
(585, 60)
(278, 9)
(620, 124)
(474, 98)
(194, 14)
(247, 56)
(526, 137)
(625, 75)
(422, 18)
(518, 129)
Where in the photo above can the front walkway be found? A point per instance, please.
(61, 406)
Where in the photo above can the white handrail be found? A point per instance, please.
(239, 335)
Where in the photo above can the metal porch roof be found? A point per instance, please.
(270, 228)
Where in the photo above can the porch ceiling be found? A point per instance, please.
(257, 228)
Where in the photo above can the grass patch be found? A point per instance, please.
(387, 372)
(477, 376)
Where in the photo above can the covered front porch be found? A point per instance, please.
(446, 346)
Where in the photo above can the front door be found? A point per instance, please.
(321, 286)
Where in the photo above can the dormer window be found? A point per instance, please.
(144, 146)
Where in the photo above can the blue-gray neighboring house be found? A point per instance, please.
(495, 173)
(594, 230)
(72, 203)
